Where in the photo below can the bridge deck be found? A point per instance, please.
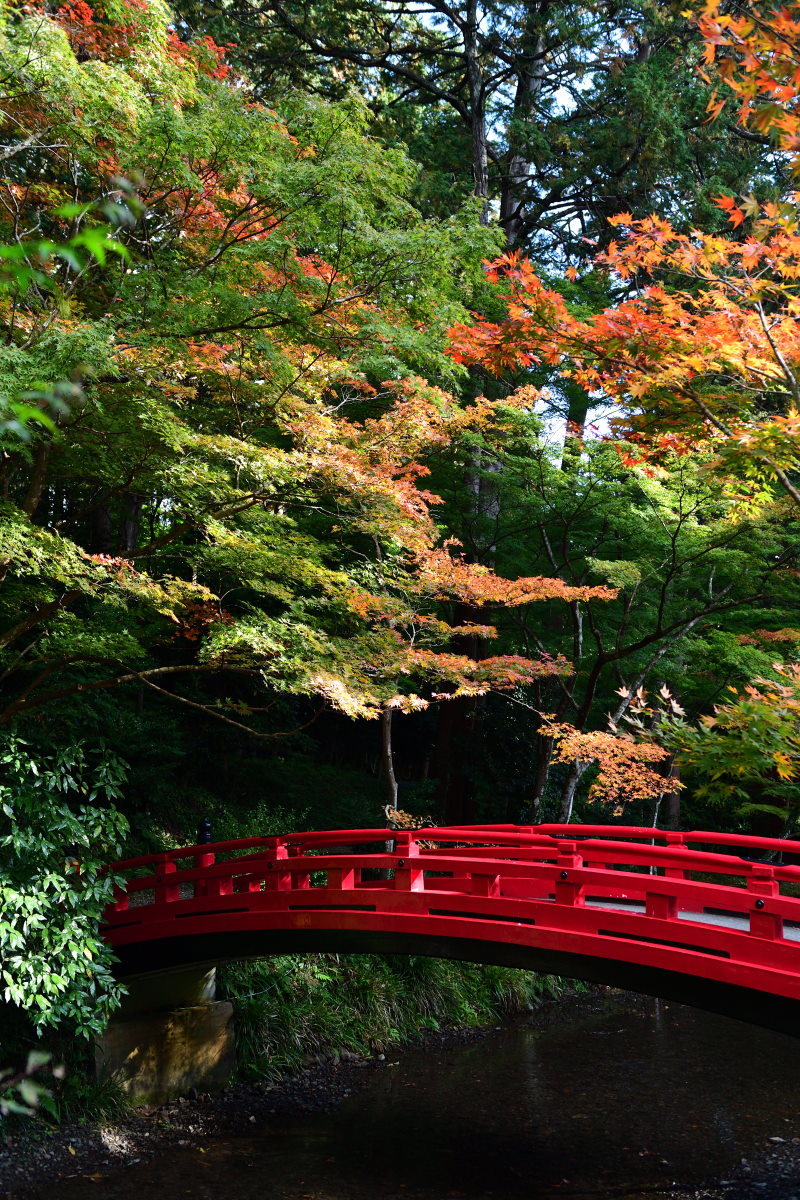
(791, 929)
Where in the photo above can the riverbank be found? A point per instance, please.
(295, 1008)
(602, 1095)
(33, 1159)
(307, 1028)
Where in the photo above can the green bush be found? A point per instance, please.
(58, 829)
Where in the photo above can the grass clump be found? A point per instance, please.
(287, 1008)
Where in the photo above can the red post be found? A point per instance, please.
(406, 877)
(485, 885)
(166, 892)
(568, 890)
(247, 885)
(763, 884)
(661, 905)
(675, 841)
(405, 845)
(341, 878)
(300, 879)
(277, 878)
(201, 861)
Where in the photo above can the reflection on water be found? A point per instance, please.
(610, 1103)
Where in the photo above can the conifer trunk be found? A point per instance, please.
(475, 83)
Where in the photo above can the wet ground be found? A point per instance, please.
(604, 1097)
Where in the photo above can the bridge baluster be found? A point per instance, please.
(201, 861)
(407, 878)
(300, 879)
(221, 885)
(485, 885)
(675, 841)
(763, 883)
(165, 892)
(405, 844)
(341, 878)
(661, 905)
(568, 890)
(247, 885)
(277, 878)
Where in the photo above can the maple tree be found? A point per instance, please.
(704, 347)
(746, 754)
(697, 365)
(236, 492)
(700, 355)
(623, 775)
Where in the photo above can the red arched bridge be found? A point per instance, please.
(709, 919)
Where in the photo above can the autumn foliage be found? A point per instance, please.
(624, 766)
(754, 54)
(252, 493)
(700, 355)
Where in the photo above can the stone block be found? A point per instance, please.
(159, 1055)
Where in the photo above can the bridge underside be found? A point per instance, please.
(153, 957)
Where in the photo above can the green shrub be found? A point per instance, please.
(58, 829)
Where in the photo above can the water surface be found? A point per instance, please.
(602, 1101)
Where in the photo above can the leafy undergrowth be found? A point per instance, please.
(287, 1009)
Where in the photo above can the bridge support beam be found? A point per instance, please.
(171, 1035)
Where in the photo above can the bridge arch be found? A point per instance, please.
(692, 917)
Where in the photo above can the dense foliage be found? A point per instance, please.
(58, 831)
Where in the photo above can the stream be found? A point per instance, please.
(619, 1097)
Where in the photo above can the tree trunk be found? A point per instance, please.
(475, 83)
(544, 755)
(578, 404)
(38, 480)
(529, 85)
(481, 482)
(576, 773)
(578, 407)
(102, 529)
(132, 514)
(387, 759)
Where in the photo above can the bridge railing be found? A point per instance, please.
(563, 866)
